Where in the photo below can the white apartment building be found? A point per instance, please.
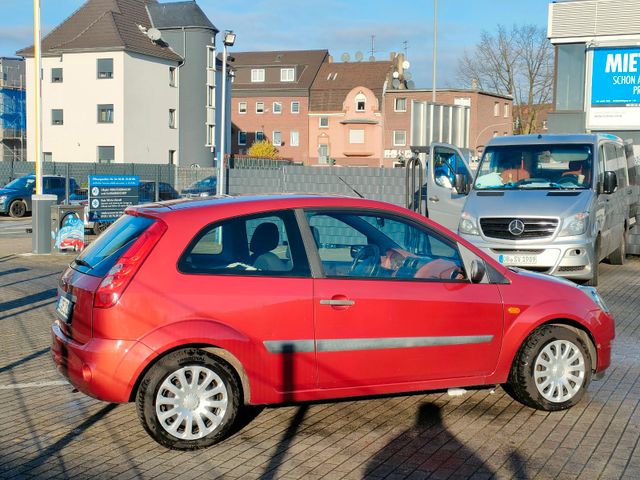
(111, 86)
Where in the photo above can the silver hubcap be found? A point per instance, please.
(191, 402)
(559, 371)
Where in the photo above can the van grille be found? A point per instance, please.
(534, 228)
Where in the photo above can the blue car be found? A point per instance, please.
(202, 188)
(15, 197)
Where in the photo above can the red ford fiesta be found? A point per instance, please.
(193, 308)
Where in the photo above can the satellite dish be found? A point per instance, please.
(411, 85)
(406, 64)
(359, 56)
(372, 58)
(345, 57)
(395, 83)
(396, 75)
(154, 34)
(408, 76)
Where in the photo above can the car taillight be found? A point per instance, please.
(118, 278)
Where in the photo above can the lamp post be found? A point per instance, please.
(228, 40)
(40, 203)
(435, 38)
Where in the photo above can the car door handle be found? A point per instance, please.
(434, 199)
(337, 303)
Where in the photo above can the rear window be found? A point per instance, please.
(105, 251)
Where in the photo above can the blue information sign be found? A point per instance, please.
(110, 195)
(615, 79)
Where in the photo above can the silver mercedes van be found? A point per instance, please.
(557, 204)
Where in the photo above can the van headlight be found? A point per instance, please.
(468, 224)
(593, 294)
(575, 225)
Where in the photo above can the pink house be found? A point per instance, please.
(345, 115)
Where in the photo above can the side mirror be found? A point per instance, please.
(610, 182)
(477, 271)
(461, 184)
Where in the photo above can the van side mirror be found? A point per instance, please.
(610, 182)
(461, 184)
(477, 271)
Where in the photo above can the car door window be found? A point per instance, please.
(447, 163)
(368, 245)
(268, 244)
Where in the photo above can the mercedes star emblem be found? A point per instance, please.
(516, 227)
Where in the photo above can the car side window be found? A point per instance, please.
(369, 245)
(259, 245)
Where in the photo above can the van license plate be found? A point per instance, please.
(518, 259)
(64, 308)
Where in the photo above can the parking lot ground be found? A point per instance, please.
(50, 432)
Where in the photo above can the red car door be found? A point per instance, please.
(395, 306)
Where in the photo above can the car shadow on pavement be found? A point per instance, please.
(13, 270)
(427, 448)
(29, 299)
(25, 359)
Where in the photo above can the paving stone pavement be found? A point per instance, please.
(49, 432)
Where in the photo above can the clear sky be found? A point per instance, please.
(337, 25)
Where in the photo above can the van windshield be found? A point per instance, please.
(535, 167)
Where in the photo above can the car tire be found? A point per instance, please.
(17, 209)
(593, 281)
(544, 376)
(169, 386)
(618, 256)
(99, 227)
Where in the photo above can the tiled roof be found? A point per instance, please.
(335, 80)
(178, 14)
(307, 63)
(101, 25)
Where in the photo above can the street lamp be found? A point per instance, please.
(228, 40)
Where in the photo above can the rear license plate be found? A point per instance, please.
(518, 259)
(64, 308)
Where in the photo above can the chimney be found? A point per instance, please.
(474, 84)
(329, 59)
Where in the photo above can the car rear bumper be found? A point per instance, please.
(101, 368)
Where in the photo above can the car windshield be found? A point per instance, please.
(204, 183)
(21, 183)
(535, 167)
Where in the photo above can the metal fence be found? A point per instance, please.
(10, 170)
(255, 176)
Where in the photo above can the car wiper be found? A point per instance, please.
(82, 263)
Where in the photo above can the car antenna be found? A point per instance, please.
(353, 189)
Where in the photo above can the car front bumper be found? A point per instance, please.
(571, 258)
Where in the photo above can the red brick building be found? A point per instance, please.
(270, 99)
(490, 115)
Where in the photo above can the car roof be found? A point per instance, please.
(243, 204)
(546, 138)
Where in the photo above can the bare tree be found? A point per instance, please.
(516, 62)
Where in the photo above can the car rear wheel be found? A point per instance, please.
(552, 369)
(18, 209)
(188, 400)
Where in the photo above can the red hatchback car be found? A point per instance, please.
(193, 308)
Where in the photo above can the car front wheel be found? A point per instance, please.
(552, 369)
(188, 400)
(18, 209)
